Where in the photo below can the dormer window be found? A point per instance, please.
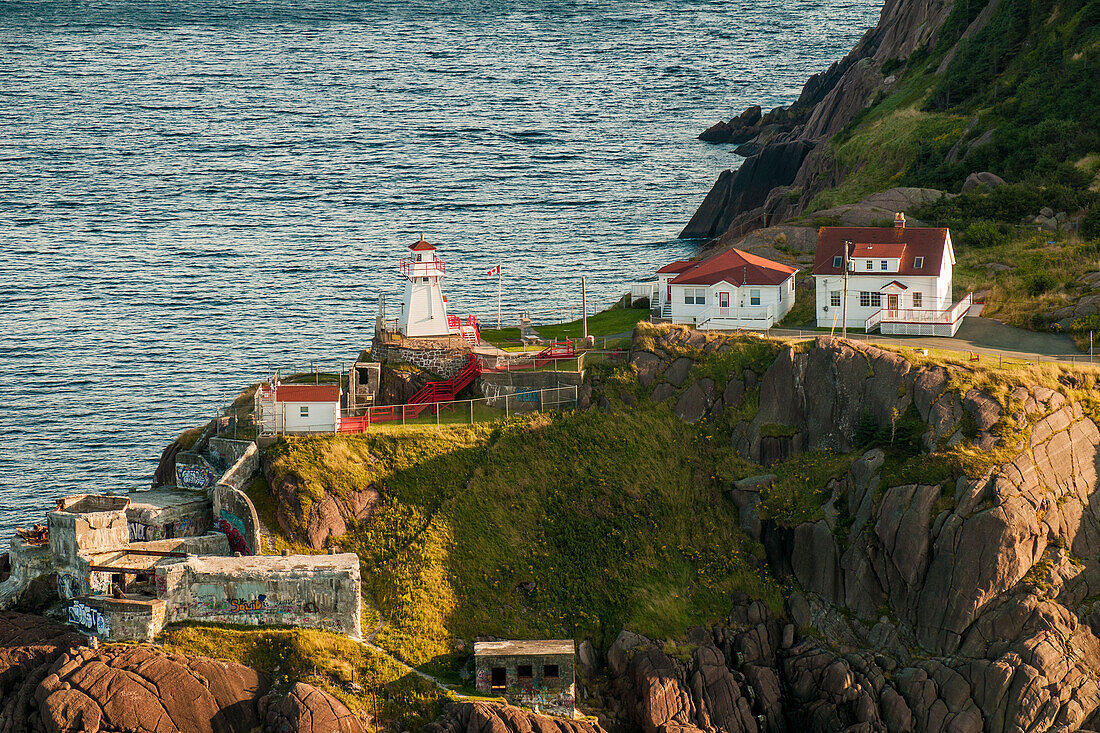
(883, 265)
(838, 261)
(870, 265)
(918, 263)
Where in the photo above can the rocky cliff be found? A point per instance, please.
(50, 682)
(955, 590)
(786, 167)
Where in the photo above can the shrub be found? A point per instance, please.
(984, 233)
(1038, 283)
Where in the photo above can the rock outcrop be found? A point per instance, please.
(315, 522)
(771, 186)
(49, 682)
(959, 598)
(482, 717)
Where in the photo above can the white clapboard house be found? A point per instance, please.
(298, 408)
(899, 279)
(733, 289)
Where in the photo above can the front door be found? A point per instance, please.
(723, 304)
(891, 302)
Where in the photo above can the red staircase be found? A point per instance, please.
(466, 328)
(433, 392)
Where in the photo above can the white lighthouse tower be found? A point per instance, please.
(424, 312)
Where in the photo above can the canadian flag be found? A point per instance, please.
(494, 271)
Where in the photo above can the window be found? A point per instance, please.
(918, 262)
(838, 261)
(425, 279)
(499, 678)
(883, 265)
(870, 300)
(523, 671)
(419, 257)
(304, 411)
(876, 300)
(696, 296)
(550, 671)
(918, 299)
(780, 295)
(834, 298)
(754, 297)
(870, 264)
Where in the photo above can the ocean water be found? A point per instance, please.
(195, 192)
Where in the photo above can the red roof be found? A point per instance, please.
(421, 245)
(307, 393)
(903, 286)
(735, 267)
(890, 251)
(677, 266)
(911, 242)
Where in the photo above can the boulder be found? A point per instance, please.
(678, 371)
(306, 709)
(321, 521)
(984, 179)
(695, 401)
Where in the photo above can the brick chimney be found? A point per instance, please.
(899, 220)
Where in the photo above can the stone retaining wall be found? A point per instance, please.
(444, 362)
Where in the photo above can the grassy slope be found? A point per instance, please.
(604, 323)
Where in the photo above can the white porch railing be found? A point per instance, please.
(920, 321)
(718, 318)
(647, 289)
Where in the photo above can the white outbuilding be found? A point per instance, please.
(307, 408)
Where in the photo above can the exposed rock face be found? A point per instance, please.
(304, 709)
(50, 683)
(399, 384)
(765, 190)
(320, 520)
(481, 717)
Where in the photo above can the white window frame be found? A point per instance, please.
(918, 263)
(884, 265)
(303, 411)
(754, 297)
(918, 300)
(834, 298)
(870, 265)
(838, 260)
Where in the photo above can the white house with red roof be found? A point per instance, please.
(299, 408)
(733, 289)
(899, 279)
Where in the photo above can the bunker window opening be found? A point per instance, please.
(550, 671)
(524, 671)
(499, 678)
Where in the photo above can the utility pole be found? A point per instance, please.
(584, 309)
(844, 303)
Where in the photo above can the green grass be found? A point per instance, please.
(615, 517)
(604, 323)
(361, 678)
(800, 489)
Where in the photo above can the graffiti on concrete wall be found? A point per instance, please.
(194, 477)
(162, 585)
(89, 618)
(252, 610)
(68, 586)
(234, 530)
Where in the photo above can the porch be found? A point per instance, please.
(919, 321)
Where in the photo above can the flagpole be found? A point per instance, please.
(500, 289)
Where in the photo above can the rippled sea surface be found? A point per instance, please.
(193, 193)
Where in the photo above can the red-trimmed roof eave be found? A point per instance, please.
(421, 246)
(736, 267)
(931, 243)
(677, 266)
(903, 286)
(307, 393)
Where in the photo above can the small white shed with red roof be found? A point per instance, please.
(307, 408)
(730, 290)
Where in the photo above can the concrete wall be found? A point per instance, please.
(557, 696)
(194, 472)
(243, 467)
(158, 515)
(320, 591)
(27, 563)
(230, 451)
(87, 523)
(118, 619)
(236, 518)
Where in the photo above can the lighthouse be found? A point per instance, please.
(424, 312)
